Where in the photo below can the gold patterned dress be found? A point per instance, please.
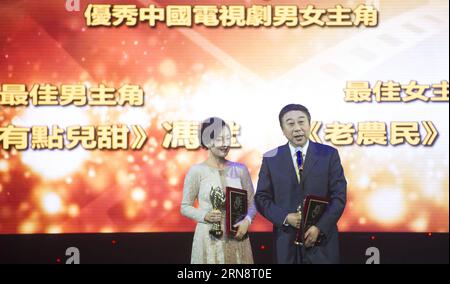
(197, 186)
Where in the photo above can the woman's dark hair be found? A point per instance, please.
(291, 107)
(210, 128)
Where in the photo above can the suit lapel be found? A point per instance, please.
(286, 159)
(310, 160)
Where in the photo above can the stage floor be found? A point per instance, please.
(175, 248)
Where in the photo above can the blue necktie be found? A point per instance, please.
(299, 160)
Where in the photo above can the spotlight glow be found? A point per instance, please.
(386, 205)
(51, 203)
(53, 164)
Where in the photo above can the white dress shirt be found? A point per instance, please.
(294, 151)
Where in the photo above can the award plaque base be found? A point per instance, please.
(312, 209)
(236, 208)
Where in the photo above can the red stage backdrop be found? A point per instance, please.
(99, 108)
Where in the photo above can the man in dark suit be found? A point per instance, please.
(288, 174)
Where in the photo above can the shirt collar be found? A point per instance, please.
(294, 150)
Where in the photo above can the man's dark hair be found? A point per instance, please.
(210, 128)
(290, 107)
